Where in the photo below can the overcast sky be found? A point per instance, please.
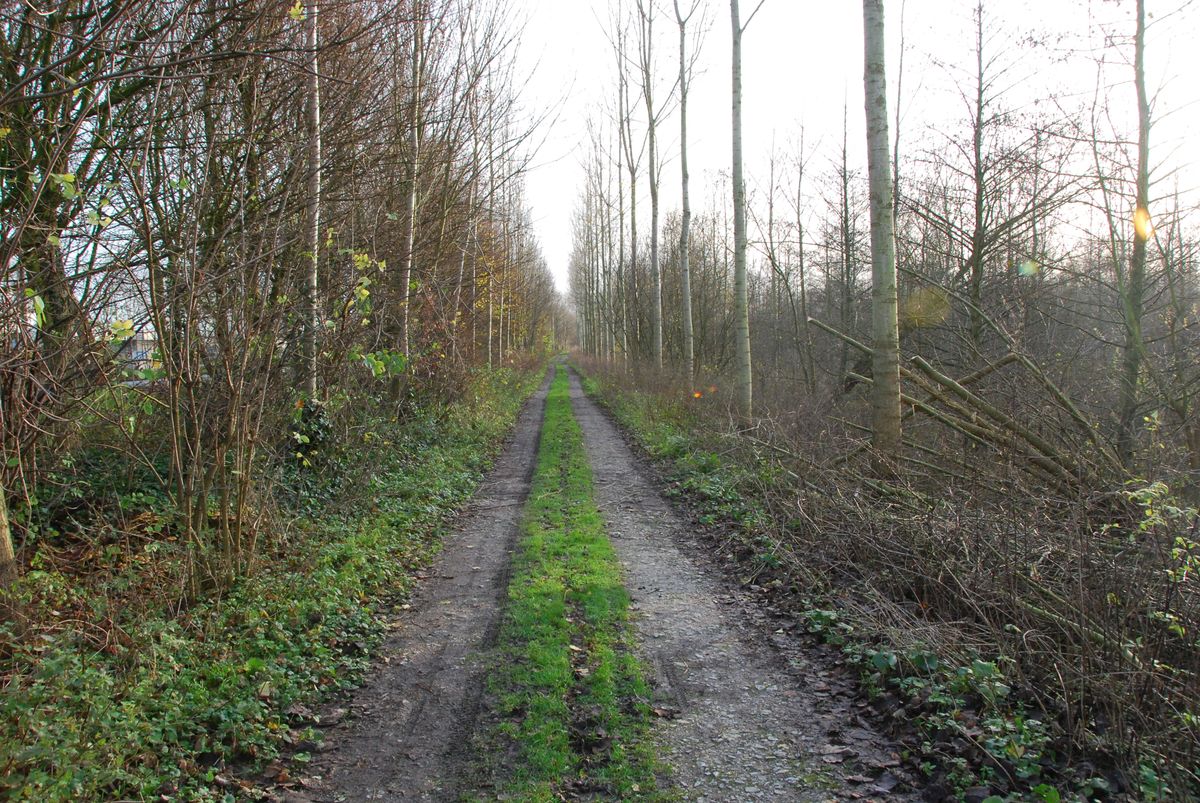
(802, 63)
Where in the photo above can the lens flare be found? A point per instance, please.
(925, 307)
(1029, 267)
(1141, 223)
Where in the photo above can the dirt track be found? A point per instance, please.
(745, 715)
(408, 729)
(745, 722)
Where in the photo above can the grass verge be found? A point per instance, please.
(105, 702)
(572, 710)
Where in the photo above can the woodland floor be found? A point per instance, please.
(748, 708)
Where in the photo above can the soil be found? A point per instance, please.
(746, 709)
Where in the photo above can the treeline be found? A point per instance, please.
(219, 217)
(1046, 480)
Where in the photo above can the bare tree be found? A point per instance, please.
(1133, 286)
(312, 317)
(645, 13)
(745, 376)
(416, 65)
(885, 394)
(685, 224)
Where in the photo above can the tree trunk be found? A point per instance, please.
(410, 195)
(685, 223)
(846, 306)
(745, 382)
(8, 559)
(806, 346)
(885, 392)
(979, 231)
(312, 321)
(1131, 351)
(645, 54)
(631, 166)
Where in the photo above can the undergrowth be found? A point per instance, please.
(572, 702)
(104, 700)
(970, 711)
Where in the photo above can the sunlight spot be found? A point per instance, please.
(1029, 267)
(925, 307)
(1141, 223)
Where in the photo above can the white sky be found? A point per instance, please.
(802, 60)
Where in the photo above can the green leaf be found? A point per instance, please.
(883, 660)
(983, 669)
(297, 11)
(39, 308)
(923, 661)
(66, 184)
(120, 329)
(1047, 793)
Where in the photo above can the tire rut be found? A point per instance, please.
(739, 723)
(408, 738)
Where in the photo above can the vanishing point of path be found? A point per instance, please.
(742, 720)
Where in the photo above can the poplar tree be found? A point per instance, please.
(885, 395)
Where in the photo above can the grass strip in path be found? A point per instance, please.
(571, 698)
